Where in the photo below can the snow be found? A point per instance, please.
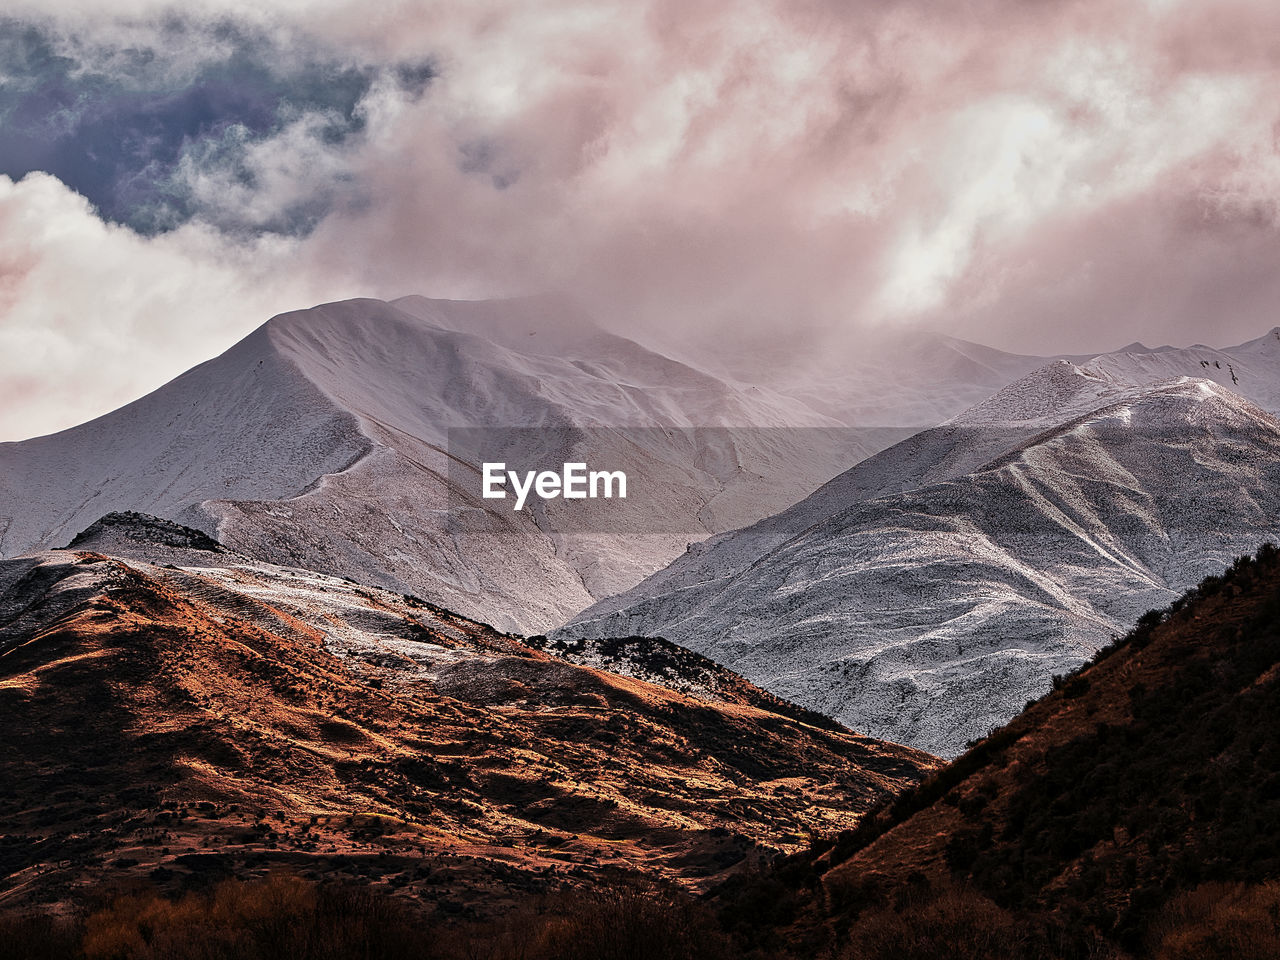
(321, 440)
(928, 615)
(921, 594)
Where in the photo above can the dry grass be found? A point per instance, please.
(280, 918)
(157, 735)
(1220, 921)
(955, 925)
(287, 918)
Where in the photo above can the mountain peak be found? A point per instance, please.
(1035, 532)
(548, 323)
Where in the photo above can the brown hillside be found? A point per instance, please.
(1153, 772)
(170, 726)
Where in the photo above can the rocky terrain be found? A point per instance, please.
(927, 593)
(198, 715)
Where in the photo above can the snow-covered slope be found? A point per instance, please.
(322, 440)
(999, 424)
(1251, 369)
(924, 595)
(1013, 415)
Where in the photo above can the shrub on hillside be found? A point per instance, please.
(1220, 921)
(287, 918)
(955, 924)
(280, 917)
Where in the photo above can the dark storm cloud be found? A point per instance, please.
(130, 127)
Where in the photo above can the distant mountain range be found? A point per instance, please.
(925, 594)
(919, 377)
(911, 537)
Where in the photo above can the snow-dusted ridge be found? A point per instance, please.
(321, 441)
(977, 555)
(927, 593)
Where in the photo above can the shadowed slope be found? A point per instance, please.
(1152, 772)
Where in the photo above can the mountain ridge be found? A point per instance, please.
(203, 715)
(321, 439)
(930, 615)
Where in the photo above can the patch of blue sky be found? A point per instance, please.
(129, 126)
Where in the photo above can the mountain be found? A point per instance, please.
(1011, 415)
(324, 440)
(915, 377)
(924, 595)
(1248, 369)
(871, 378)
(198, 715)
(1132, 812)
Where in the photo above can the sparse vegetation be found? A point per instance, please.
(1131, 812)
(1219, 921)
(286, 918)
(956, 924)
(170, 744)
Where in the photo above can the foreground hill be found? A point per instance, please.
(927, 593)
(1133, 811)
(201, 715)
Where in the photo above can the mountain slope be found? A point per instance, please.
(322, 439)
(1096, 812)
(207, 715)
(929, 616)
(885, 379)
(919, 377)
(1013, 414)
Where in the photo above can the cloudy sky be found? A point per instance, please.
(1041, 176)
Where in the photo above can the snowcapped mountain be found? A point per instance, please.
(924, 378)
(1013, 415)
(321, 440)
(926, 593)
(1251, 369)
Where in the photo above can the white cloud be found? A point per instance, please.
(93, 315)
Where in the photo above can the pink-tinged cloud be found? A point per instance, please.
(1057, 176)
